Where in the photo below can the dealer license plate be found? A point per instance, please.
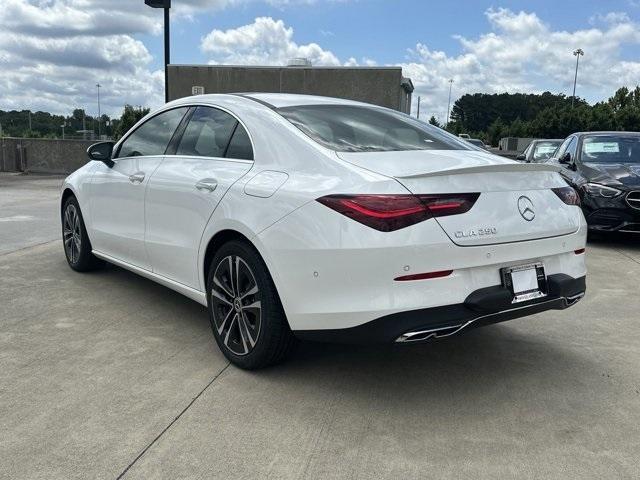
(526, 282)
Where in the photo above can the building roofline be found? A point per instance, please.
(319, 67)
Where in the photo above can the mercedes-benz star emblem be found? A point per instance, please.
(525, 207)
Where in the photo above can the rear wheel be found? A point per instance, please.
(77, 247)
(246, 315)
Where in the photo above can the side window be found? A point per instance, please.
(207, 134)
(240, 145)
(153, 136)
(563, 147)
(572, 148)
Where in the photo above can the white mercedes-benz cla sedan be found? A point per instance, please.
(294, 216)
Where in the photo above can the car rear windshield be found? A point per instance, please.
(611, 149)
(350, 128)
(544, 150)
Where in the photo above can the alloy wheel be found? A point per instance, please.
(235, 298)
(71, 233)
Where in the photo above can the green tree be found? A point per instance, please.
(130, 116)
(496, 131)
(434, 121)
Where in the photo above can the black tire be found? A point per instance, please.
(251, 329)
(76, 244)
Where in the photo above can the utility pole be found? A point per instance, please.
(449, 102)
(63, 125)
(99, 115)
(577, 54)
(29, 122)
(419, 107)
(166, 5)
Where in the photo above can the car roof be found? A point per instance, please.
(280, 100)
(611, 132)
(271, 100)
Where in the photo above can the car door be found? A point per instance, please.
(212, 152)
(117, 192)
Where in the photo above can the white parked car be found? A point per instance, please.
(311, 217)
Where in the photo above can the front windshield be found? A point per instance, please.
(352, 128)
(544, 150)
(611, 149)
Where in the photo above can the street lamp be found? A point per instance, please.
(577, 53)
(449, 102)
(166, 5)
(99, 114)
(64, 124)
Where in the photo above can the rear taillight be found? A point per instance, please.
(568, 195)
(387, 213)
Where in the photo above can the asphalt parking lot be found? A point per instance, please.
(107, 374)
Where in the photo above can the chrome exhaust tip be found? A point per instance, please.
(443, 332)
(574, 299)
(432, 334)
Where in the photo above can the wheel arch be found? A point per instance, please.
(228, 234)
(215, 242)
(66, 193)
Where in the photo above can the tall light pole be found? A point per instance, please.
(166, 5)
(449, 102)
(418, 116)
(577, 53)
(99, 114)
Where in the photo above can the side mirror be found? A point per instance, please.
(565, 159)
(521, 157)
(102, 153)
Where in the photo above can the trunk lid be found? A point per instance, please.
(516, 202)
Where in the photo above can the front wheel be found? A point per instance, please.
(77, 247)
(246, 315)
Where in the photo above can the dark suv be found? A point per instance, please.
(605, 169)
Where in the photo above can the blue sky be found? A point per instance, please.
(53, 52)
(381, 29)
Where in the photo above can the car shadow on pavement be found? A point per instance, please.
(479, 370)
(472, 363)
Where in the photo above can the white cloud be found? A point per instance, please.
(523, 54)
(264, 42)
(53, 52)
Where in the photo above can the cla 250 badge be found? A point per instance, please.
(476, 232)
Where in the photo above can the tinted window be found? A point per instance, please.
(612, 149)
(240, 145)
(207, 134)
(348, 128)
(572, 148)
(153, 136)
(563, 147)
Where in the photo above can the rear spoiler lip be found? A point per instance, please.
(515, 167)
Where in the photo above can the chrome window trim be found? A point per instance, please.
(116, 147)
(198, 157)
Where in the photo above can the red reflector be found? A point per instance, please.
(387, 213)
(580, 251)
(424, 276)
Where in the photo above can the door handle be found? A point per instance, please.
(137, 177)
(208, 184)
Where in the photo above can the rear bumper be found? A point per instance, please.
(482, 307)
